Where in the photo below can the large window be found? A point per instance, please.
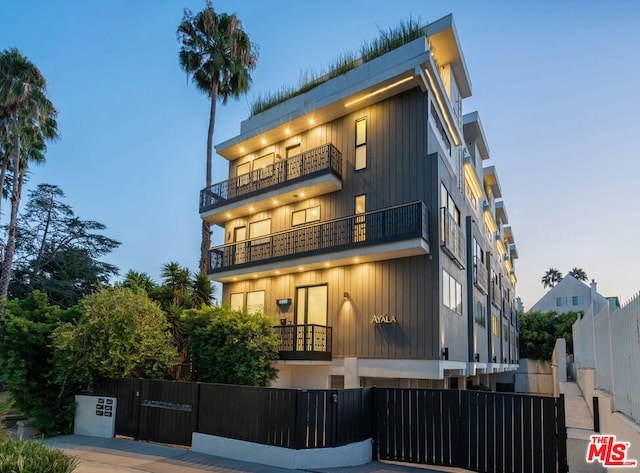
(495, 325)
(237, 301)
(561, 302)
(311, 305)
(451, 292)
(255, 301)
(361, 143)
(300, 217)
(479, 313)
(258, 229)
(447, 202)
(577, 300)
(440, 129)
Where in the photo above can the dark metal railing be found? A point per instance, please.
(392, 224)
(304, 342)
(325, 159)
(480, 274)
(451, 238)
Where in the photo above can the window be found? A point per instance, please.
(577, 300)
(292, 151)
(561, 302)
(263, 161)
(505, 333)
(258, 229)
(495, 326)
(240, 248)
(243, 168)
(243, 173)
(255, 301)
(311, 305)
(305, 216)
(440, 131)
(237, 301)
(361, 143)
(447, 202)
(360, 229)
(479, 313)
(451, 292)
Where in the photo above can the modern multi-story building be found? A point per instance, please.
(362, 217)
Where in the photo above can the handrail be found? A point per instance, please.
(323, 159)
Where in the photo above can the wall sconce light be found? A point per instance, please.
(445, 353)
(495, 359)
(346, 295)
(476, 357)
(504, 360)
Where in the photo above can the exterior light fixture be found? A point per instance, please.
(263, 141)
(476, 357)
(378, 91)
(346, 295)
(287, 131)
(495, 359)
(311, 121)
(242, 150)
(445, 353)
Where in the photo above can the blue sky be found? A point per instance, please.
(554, 83)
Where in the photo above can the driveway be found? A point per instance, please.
(117, 455)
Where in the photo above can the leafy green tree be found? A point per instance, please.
(28, 119)
(218, 56)
(56, 252)
(233, 347)
(122, 333)
(579, 274)
(139, 281)
(539, 331)
(26, 354)
(551, 277)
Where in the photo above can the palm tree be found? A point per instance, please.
(551, 277)
(28, 119)
(579, 274)
(218, 56)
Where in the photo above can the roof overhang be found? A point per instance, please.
(388, 75)
(473, 132)
(501, 212)
(491, 180)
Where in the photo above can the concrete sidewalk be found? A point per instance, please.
(97, 455)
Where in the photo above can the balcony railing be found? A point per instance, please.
(325, 159)
(451, 239)
(388, 225)
(480, 274)
(304, 342)
(496, 298)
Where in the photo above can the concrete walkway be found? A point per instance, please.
(97, 455)
(578, 415)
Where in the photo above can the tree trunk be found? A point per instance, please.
(3, 173)
(43, 242)
(18, 179)
(206, 226)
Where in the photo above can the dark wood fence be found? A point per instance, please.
(480, 431)
(169, 411)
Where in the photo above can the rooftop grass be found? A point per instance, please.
(388, 40)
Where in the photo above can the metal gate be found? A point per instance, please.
(480, 431)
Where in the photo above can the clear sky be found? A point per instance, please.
(555, 84)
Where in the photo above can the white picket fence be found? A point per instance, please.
(609, 342)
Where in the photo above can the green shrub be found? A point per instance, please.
(17, 456)
(26, 361)
(231, 347)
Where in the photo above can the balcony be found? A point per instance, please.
(452, 240)
(304, 342)
(310, 174)
(480, 275)
(389, 233)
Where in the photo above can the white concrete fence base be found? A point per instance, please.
(354, 454)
